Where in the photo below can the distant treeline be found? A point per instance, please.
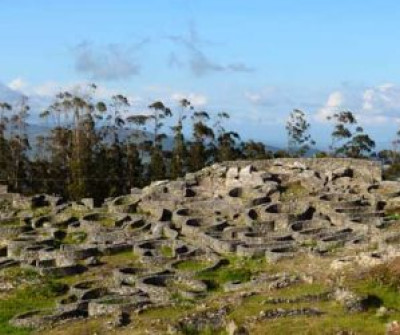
(84, 154)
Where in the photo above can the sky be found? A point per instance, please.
(255, 59)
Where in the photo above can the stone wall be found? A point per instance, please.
(365, 169)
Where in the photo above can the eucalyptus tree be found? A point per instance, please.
(59, 146)
(76, 138)
(179, 151)
(360, 146)
(5, 157)
(19, 142)
(157, 166)
(349, 139)
(116, 153)
(252, 150)
(158, 113)
(203, 136)
(298, 133)
(85, 143)
(5, 109)
(134, 168)
(395, 152)
(227, 142)
(118, 109)
(137, 125)
(40, 168)
(343, 121)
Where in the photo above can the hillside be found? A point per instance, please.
(279, 246)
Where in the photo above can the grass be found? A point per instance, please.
(253, 305)
(190, 330)
(166, 251)
(156, 320)
(108, 222)
(335, 320)
(170, 313)
(389, 296)
(77, 237)
(309, 243)
(75, 212)
(10, 223)
(181, 300)
(192, 265)
(393, 216)
(124, 200)
(25, 300)
(20, 275)
(385, 275)
(293, 191)
(83, 327)
(225, 275)
(237, 270)
(331, 323)
(40, 211)
(122, 259)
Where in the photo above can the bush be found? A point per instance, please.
(392, 173)
(387, 274)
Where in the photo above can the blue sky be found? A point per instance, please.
(255, 59)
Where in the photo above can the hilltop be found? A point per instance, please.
(305, 246)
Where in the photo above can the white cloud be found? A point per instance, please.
(334, 102)
(197, 100)
(378, 104)
(41, 95)
(47, 89)
(384, 97)
(18, 84)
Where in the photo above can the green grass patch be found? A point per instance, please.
(292, 191)
(20, 274)
(171, 313)
(167, 251)
(15, 222)
(335, 319)
(393, 216)
(237, 269)
(40, 211)
(253, 305)
(191, 330)
(388, 294)
(178, 298)
(77, 237)
(107, 222)
(224, 275)
(333, 322)
(192, 265)
(122, 259)
(27, 299)
(309, 244)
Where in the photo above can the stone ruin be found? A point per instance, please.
(273, 209)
